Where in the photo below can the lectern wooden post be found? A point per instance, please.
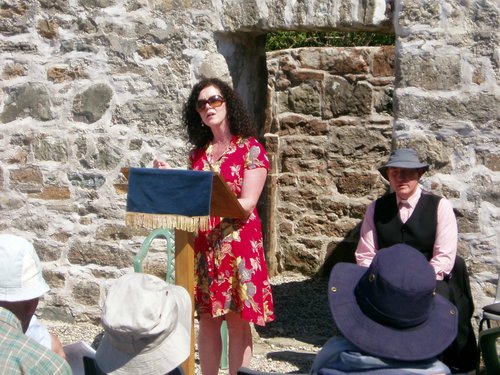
(222, 203)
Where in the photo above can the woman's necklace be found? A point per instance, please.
(217, 150)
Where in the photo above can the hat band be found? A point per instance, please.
(376, 314)
(127, 343)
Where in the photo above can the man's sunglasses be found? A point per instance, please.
(214, 101)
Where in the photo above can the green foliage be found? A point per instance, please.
(291, 39)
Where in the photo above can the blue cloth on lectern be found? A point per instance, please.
(156, 196)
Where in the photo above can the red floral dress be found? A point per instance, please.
(230, 269)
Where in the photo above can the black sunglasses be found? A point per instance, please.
(214, 101)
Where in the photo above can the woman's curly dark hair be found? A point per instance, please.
(240, 121)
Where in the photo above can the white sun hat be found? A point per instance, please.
(21, 276)
(147, 326)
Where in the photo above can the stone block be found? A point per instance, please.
(14, 18)
(27, 100)
(382, 101)
(286, 228)
(383, 62)
(13, 70)
(60, 5)
(299, 76)
(48, 148)
(116, 232)
(48, 29)
(47, 252)
(53, 192)
(300, 259)
(54, 278)
(302, 165)
(58, 313)
(11, 47)
(287, 179)
(310, 226)
(356, 184)
(431, 71)
(310, 58)
(467, 220)
(105, 273)
(86, 180)
(87, 293)
(99, 254)
(340, 228)
(342, 61)
(489, 159)
(64, 73)
(304, 99)
(477, 107)
(61, 237)
(26, 179)
(90, 105)
(421, 13)
(343, 98)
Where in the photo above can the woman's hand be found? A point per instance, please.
(161, 164)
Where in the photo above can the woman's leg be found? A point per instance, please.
(209, 344)
(240, 342)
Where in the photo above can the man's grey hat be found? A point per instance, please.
(403, 158)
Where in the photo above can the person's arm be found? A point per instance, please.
(367, 245)
(445, 244)
(253, 183)
(57, 346)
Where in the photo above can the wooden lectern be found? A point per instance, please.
(223, 203)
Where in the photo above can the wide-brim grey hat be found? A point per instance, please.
(403, 158)
(21, 277)
(147, 326)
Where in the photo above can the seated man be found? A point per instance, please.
(21, 286)
(426, 222)
(391, 319)
(147, 327)
(410, 215)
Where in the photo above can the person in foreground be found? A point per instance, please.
(21, 286)
(391, 319)
(231, 276)
(147, 327)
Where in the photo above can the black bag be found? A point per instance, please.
(462, 354)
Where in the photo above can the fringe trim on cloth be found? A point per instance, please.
(153, 221)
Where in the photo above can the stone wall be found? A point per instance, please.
(89, 87)
(330, 124)
(446, 104)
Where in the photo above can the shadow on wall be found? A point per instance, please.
(342, 251)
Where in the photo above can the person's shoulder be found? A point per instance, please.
(435, 197)
(33, 356)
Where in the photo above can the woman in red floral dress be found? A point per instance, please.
(231, 277)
